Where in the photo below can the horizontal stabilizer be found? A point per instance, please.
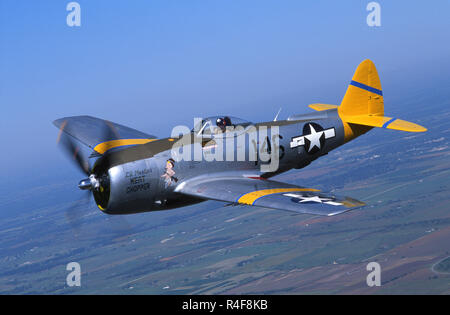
(321, 107)
(384, 122)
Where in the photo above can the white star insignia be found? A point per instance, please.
(311, 199)
(316, 199)
(314, 138)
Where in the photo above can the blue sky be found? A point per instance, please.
(155, 64)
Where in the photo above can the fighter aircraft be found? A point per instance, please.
(136, 172)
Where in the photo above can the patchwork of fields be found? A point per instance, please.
(209, 248)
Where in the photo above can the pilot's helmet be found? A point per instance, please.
(220, 122)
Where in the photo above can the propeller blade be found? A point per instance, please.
(110, 132)
(75, 212)
(73, 149)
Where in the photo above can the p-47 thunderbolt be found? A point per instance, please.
(222, 158)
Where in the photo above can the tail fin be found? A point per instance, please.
(363, 107)
(364, 95)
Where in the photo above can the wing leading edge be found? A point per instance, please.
(268, 194)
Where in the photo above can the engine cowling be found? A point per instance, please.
(127, 188)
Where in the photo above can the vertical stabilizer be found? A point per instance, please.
(364, 95)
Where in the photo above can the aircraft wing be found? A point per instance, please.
(101, 135)
(267, 194)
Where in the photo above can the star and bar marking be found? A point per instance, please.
(315, 139)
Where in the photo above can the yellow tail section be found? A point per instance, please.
(364, 95)
(362, 107)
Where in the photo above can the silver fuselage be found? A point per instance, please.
(136, 178)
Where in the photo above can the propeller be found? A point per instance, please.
(75, 212)
(74, 151)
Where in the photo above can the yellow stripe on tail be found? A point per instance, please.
(362, 107)
(364, 95)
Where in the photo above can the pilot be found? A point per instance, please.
(223, 123)
(227, 121)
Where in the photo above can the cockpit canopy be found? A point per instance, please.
(219, 124)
